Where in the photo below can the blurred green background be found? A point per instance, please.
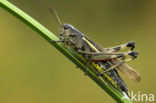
(32, 71)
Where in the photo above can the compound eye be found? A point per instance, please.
(65, 27)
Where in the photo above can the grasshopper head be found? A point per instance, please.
(66, 31)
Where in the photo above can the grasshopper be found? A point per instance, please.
(105, 60)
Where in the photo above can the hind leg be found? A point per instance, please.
(130, 45)
(116, 65)
(103, 56)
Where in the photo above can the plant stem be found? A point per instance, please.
(46, 34)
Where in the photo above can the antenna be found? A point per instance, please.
(54, 13)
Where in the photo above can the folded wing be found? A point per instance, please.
(128, 71)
